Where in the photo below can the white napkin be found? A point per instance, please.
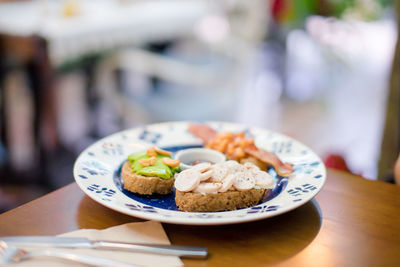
(141, 232)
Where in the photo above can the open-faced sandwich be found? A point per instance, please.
(222, 186)
(150, 172)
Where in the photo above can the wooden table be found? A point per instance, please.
(351, 222)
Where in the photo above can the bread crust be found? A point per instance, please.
(143, 184)
(230, 200)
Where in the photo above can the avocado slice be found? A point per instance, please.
(159, 169)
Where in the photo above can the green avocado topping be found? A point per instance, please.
(159, 169)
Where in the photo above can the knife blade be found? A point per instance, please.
(82, 242)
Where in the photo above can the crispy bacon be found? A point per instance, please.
(282, 169)
(210, 136)
(202, 131)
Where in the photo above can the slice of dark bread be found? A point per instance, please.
(229, 200)
(143, 184)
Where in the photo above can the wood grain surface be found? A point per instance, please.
(351, 222)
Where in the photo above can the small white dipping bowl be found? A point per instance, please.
(188, 156)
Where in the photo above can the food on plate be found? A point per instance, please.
(150, 172)
(239, 147)
(223, 186)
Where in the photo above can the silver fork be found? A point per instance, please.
(11, 254)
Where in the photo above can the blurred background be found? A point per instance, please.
(74, 71)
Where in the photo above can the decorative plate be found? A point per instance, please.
(97, 172)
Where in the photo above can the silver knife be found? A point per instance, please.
(81, 242)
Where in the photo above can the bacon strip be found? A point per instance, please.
(282, 169)
(202, 131)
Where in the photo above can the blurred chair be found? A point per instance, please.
(27, 53)
(229, 35)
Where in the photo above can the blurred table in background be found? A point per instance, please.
(43, 35)
(97, 26)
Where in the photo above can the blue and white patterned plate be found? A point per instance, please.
(97, 172)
